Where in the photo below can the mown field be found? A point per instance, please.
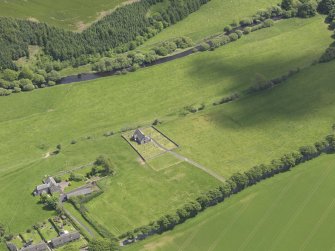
(63, 113)
(292, 211)
(72, 15)
(211, 18)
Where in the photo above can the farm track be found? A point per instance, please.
(192, 162)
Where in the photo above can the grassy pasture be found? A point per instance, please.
(292, 211)
(138, 194)
(211, 18)
(262, 127)
(73, 15)
(161, 162)
(36, 122)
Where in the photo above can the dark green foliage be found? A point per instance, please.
(233, 37)
(76, 177)
(204, 46)
(227, 99)
(246, 22)
(127, 26)
(307, 9)
(106, 164)
(328, 55)
(103, 245)
(287, 4)
(325, 6)
(331, 16)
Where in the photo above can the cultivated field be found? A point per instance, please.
(292, 211)
(73, 15)
(60, 114)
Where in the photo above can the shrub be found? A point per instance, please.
(328, 55)
(239, 33)
(17, 89)
(246, 22)
(204, 46)
(76, 177)
(28, 87)
(10, 75)
(247, 30)
(268, 23)
(227, 29)
(51, 83)
(135, 67)
(5, 92)
(73, 142)
(233, 37)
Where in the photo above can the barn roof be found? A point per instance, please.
(38, 247)
(65, 238)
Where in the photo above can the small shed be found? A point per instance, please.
(64, 239)
(140, 137)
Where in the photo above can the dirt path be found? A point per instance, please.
(192, 162)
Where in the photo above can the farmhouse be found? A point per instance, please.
(63, 239)
(49, 186)
(140, 138)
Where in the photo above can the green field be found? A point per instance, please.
(63, 113)
(262, 127)
(138, 194)
(73, 15)
(211, 18)
(292, 211)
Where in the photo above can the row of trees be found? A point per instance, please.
(128, 25)
(327, 7)
(236, 183)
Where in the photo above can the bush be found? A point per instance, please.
(51, 83)
(76, 177)
(28, 87)
(233, 37)
(17, 89)
(5, 92)
(204, 46)
(268, 23)
(239, 33)
(227, 29)
(73, 142)
(328, 55)
(246, 22)
(247, 30)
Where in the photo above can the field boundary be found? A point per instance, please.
(133, 147)
(177, 145)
